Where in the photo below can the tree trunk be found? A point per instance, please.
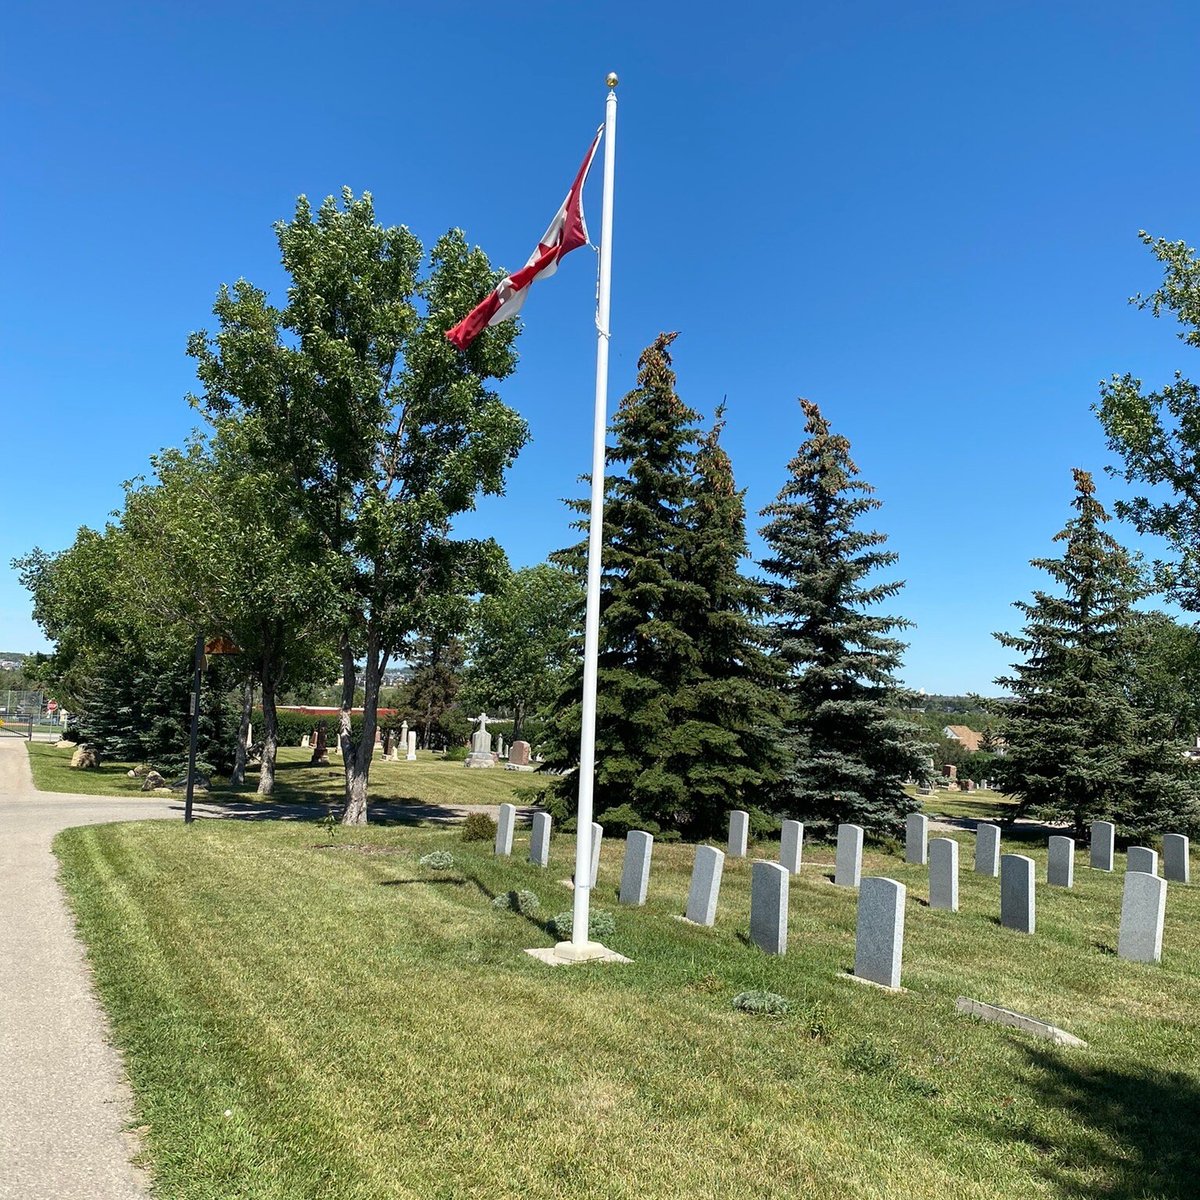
(238, 778)
(358, 757)
(266, 773)
(518, 720)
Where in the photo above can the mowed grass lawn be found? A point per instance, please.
(429, 780)
(306, 1015)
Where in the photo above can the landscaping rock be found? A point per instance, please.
(85, 757)
(153, 781)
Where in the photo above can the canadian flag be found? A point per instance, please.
(567, 232)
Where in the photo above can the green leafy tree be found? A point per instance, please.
(522, 643)
(377, 430)
(1079, 747)
(851, 753)
(220, 547)
(1157, 433)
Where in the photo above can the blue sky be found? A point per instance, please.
(922, 217)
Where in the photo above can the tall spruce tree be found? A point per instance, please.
(1079, 745)
(850, 753)
(683, 723)
(734, 708)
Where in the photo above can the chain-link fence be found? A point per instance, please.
(24, 714)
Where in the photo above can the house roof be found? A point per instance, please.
(961, 733)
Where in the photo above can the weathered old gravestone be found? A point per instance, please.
(481, 744)
(943, 874)
(504, 828)
(769, 906)
(1103, 840)
(848, 863)
(987, 850)
(635, 874)
(705, 886)
(1060, 863)
(518, 755)
(791, 845)
(1143, 907)
(412, 746)
(1141, 858)
(320, 749)
(500, 744)
(879, 934)
(1176, 858)
(916, 838)
(739, 833)
(539, 842)
(950, 771)
(1017, 895)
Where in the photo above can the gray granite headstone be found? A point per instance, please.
(943, 874)
(916, 838)
(739, 833)
(879, 936)
(1103, 840)
(987, 850)
(706, 885)
(1017, 894)
(1142, 858)
(597, 838)
(1176, 859)
(539, 843)
(1060, 863)
(791, 845)
(635, 874)
(504, 828)
(1143, 907)
(848, 869)
(769, 906)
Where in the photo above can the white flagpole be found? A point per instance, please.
(581, 945)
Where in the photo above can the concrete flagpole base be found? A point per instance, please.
(567, 954)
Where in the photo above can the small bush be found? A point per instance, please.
(763, 824)
(625, 818)
(456, 754)
(601, 924)
(762, 1003)
(438, 860)
(478, 827)
(524, 902)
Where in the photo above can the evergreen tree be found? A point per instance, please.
(732, 713)
(850, 752)
(684, 723)
(1079, 746)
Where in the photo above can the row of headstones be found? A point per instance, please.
(1143, 902)
(879, 937)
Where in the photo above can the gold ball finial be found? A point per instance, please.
(612, 80)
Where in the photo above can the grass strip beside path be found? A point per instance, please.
(307, 1016)
(429, 780)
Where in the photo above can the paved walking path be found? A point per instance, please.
(64, 1103)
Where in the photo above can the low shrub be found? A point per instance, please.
(763, 1004)
(456, 754)
(478, 827)
(623, 819)
(601, 924)
(524, 902)
(438, 860)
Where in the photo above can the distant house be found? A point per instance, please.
(969, 738)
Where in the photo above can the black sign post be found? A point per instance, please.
(191, 774)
